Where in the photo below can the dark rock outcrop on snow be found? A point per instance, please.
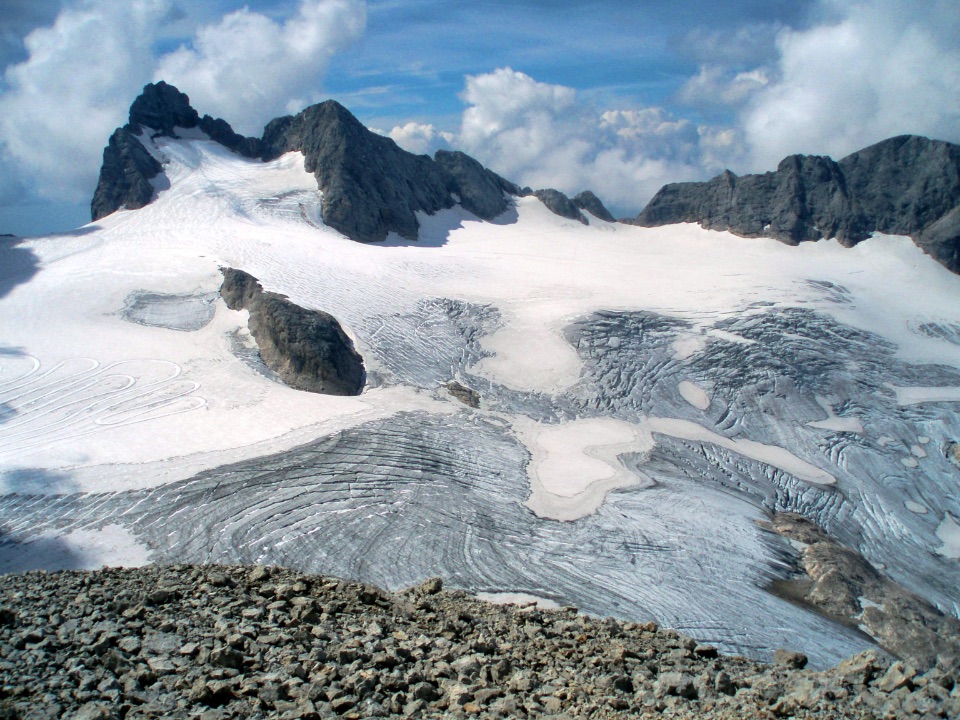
(592, 204)
(128, 168)
(370, 185)
(125, 175)
(906, 185)
(163, 108)
(306, 348)
(481, 191)
(560, 204)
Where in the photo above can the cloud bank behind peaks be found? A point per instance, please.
(61, 104)
(248, 68)
(871, 70)
(73, 89)
(546, 135)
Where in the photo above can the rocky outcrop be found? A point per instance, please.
(128, 168)
(560, 204)
(839, 582)
(161, 109)
(306, 348)
(906, 185)
(481, 191)
(125, 175)
(226, 642)
(371, 186)
(592, 204)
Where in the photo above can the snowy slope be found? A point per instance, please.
(647, 395)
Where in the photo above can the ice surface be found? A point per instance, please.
(820, 369)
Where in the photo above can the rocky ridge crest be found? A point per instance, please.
(224, 642)
(906, 185)
(370, 185)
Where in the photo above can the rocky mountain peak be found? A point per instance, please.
(163, 107)
(370, 185)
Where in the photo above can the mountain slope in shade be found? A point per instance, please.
(906, 185)
(604, 415)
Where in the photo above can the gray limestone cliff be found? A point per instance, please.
(592, 204)
(124, 176)
(370, 186)
(560, 204)
(306, 348)
(905, 185)
(128, 169)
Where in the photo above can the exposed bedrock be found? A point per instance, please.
(839, 582)
(906, 185)
(371, 186)
(124, 176)
(592, 204)
(306, 348)
(128, 167)
(560, 204)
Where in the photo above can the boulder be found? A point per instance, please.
(306, 348)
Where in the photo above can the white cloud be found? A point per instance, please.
(419, 138)
(716, 85)
(60, 105)
(73, 89)
(875, 69)
(544, 135)
(248, 68)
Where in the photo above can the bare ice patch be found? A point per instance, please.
(529, 356)
(919, 395)
(687, 346)
(915, 507)
(186, 313)
(833, 421)
(574, 465)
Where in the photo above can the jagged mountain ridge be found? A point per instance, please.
(370, 185)
(906, 185)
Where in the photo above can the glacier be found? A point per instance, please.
(647, 398)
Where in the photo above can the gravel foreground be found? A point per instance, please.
(217, 642)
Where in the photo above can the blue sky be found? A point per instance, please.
(613, 96)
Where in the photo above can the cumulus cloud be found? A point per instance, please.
(73, 88)
(59, 105)
(419, 138)
(716, 85)
(248, 68)
(871, 70)
(545, 135)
